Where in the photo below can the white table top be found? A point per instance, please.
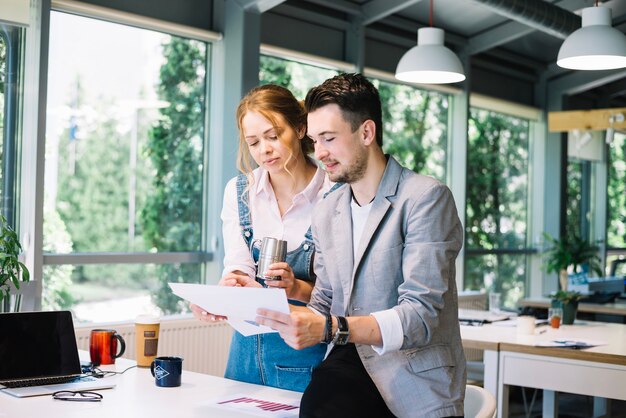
(136, 395)
(500, 336)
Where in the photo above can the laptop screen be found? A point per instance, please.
(37, 344)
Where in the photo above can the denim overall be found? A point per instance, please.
(266, 359)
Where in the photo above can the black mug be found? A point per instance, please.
(167, 371)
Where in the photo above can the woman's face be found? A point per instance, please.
(270, 146)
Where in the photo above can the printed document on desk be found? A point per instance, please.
(239, 304)
(567, 343)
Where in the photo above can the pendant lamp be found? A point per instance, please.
(430, 62)
(596, 45)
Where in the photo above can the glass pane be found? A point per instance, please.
(124, 139)
(296, 76)
(115, 292)
(3, 66)
(500, 273)
(415, 127)
(616, 223)
(497, 203)
(11, 99)
(497, 181)
(573, 208)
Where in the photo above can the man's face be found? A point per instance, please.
(336, 146)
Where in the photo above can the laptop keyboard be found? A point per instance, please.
(45, 381)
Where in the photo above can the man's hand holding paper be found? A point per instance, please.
(238, 304)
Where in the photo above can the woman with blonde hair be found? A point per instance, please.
(276, 199)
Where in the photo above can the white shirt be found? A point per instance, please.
(388, 320)
(266, 219)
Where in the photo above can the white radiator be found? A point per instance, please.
(204, 346)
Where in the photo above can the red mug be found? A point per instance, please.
(103, 346)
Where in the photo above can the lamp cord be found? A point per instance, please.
(431, 13)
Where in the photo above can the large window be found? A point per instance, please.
(576, 222)
(415, 127)
(124, 174)
(11, 59)
(616, 195)
(296, 76)
(496, 241)
(414, 121)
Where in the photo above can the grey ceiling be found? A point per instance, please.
(520, 38)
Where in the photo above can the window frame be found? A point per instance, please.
(13, 37)
(534, 197)
(204, 256)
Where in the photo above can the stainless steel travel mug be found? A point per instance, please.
(272, 251)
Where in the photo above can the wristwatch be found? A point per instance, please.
(343, 333)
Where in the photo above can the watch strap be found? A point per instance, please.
(343, 333)
(328, 330)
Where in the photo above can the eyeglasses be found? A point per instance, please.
(79, 396)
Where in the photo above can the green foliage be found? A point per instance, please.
(497, 203)
(295, 76)
(570, 252)
(90, 200)
(616, 193)
(57, 291)
(274, 71)
(497, 181)
(12, 271)
(3, 66)
(566, 296)
(574, 185)
(415, 127)
(171, 215)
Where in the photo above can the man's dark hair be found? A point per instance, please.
(355, 95)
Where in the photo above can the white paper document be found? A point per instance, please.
(567, 343)
(239, 304)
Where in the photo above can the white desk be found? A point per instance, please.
(514, 360)
(617, 308)
(137, 396)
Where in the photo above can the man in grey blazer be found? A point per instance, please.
(385, 298)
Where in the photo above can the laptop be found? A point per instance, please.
(474, 316)
(39, 355)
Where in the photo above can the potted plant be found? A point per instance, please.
(569, 256)
(568, 302)
(12, 271)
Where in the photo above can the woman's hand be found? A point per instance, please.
(234, 279)
(203, 315)
(237, 279)
(287, 280)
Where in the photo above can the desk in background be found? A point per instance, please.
(514, 360)
(607, 312)
(136, 395)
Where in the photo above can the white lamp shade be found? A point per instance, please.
(430, 62)
(596, 45)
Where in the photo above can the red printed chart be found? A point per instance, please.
(278, 408)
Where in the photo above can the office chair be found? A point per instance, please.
(614, 265)
(473, 356)
(479, 403)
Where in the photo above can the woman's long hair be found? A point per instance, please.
(272, 101)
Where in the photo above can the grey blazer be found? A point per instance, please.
(406, 262)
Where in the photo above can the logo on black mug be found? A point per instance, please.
(160, 373)
(167, 371)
